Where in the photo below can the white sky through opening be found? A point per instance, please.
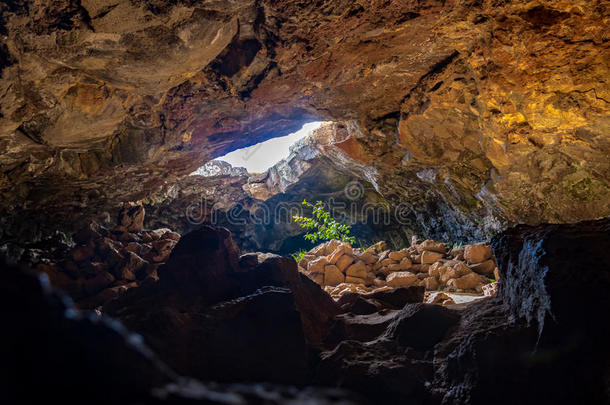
(260, 157)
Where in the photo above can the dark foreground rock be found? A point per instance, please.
(54, 353)
(540, 340)
(211, 318)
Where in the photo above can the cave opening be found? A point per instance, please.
(442, 239)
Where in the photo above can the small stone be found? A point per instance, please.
(435, 269)
(429, 257)
(431, 283)
(339, 251)
(401, 279)
(405, 263)
(331, 245)
(171, 236)
(440, 299)
(133, 247)
(354, 280)
(387, 262)
(163, 249)
(317, 265)
(344, 262)
(367, 257)
(332, 275)
(397, 256)
(485, 268)
(158, 233)
(477, 253)
(468, 282)
(431, 246)
(357, 269)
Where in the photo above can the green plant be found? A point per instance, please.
(297, 256)
(322, 226)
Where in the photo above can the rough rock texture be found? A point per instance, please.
(212, 319)
(275, 325)
(461, 110)
(70, 356)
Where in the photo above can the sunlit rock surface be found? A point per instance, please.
(495, 112)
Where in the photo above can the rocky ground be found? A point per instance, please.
(340, 268)
(214, 315)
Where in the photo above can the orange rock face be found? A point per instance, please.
(490, 112)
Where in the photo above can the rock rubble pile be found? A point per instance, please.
(340, 268)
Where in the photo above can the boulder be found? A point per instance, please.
(317, 265)
(472, 281)
(477, 253)
(401, 279)
(429, 257)
(431, 283)
(344, 262)
(431, 246)
(397, 256)
(332, 275)
(367, 257)
(339, 251)
(485, 268)
(355, 280)
(405, 263)
(357, 269)
(421, 326)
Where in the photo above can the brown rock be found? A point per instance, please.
(158, 233)
(401, 279)
(332, 275)
(431, 246)
(431, 283)
(497, 274)
(397, 256)
(339, 251)
(131, 217)
(429, 257)
(435, 269)
(171, 235)
(378, 247)
(405, 263)
(440, 299)
(344, 262)
(485, 268)
(163, 249)
(470, 281)
(357, 269)
(477, 253)
(367, 257)
(331, 246)
(317, 265)
(355, 280)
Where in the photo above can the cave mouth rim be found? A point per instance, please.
(269, 152)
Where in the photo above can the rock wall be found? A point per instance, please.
(488, 111)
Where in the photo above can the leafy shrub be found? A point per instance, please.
(322, 226)
(298, 255)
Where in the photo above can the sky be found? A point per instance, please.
(260, 157)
